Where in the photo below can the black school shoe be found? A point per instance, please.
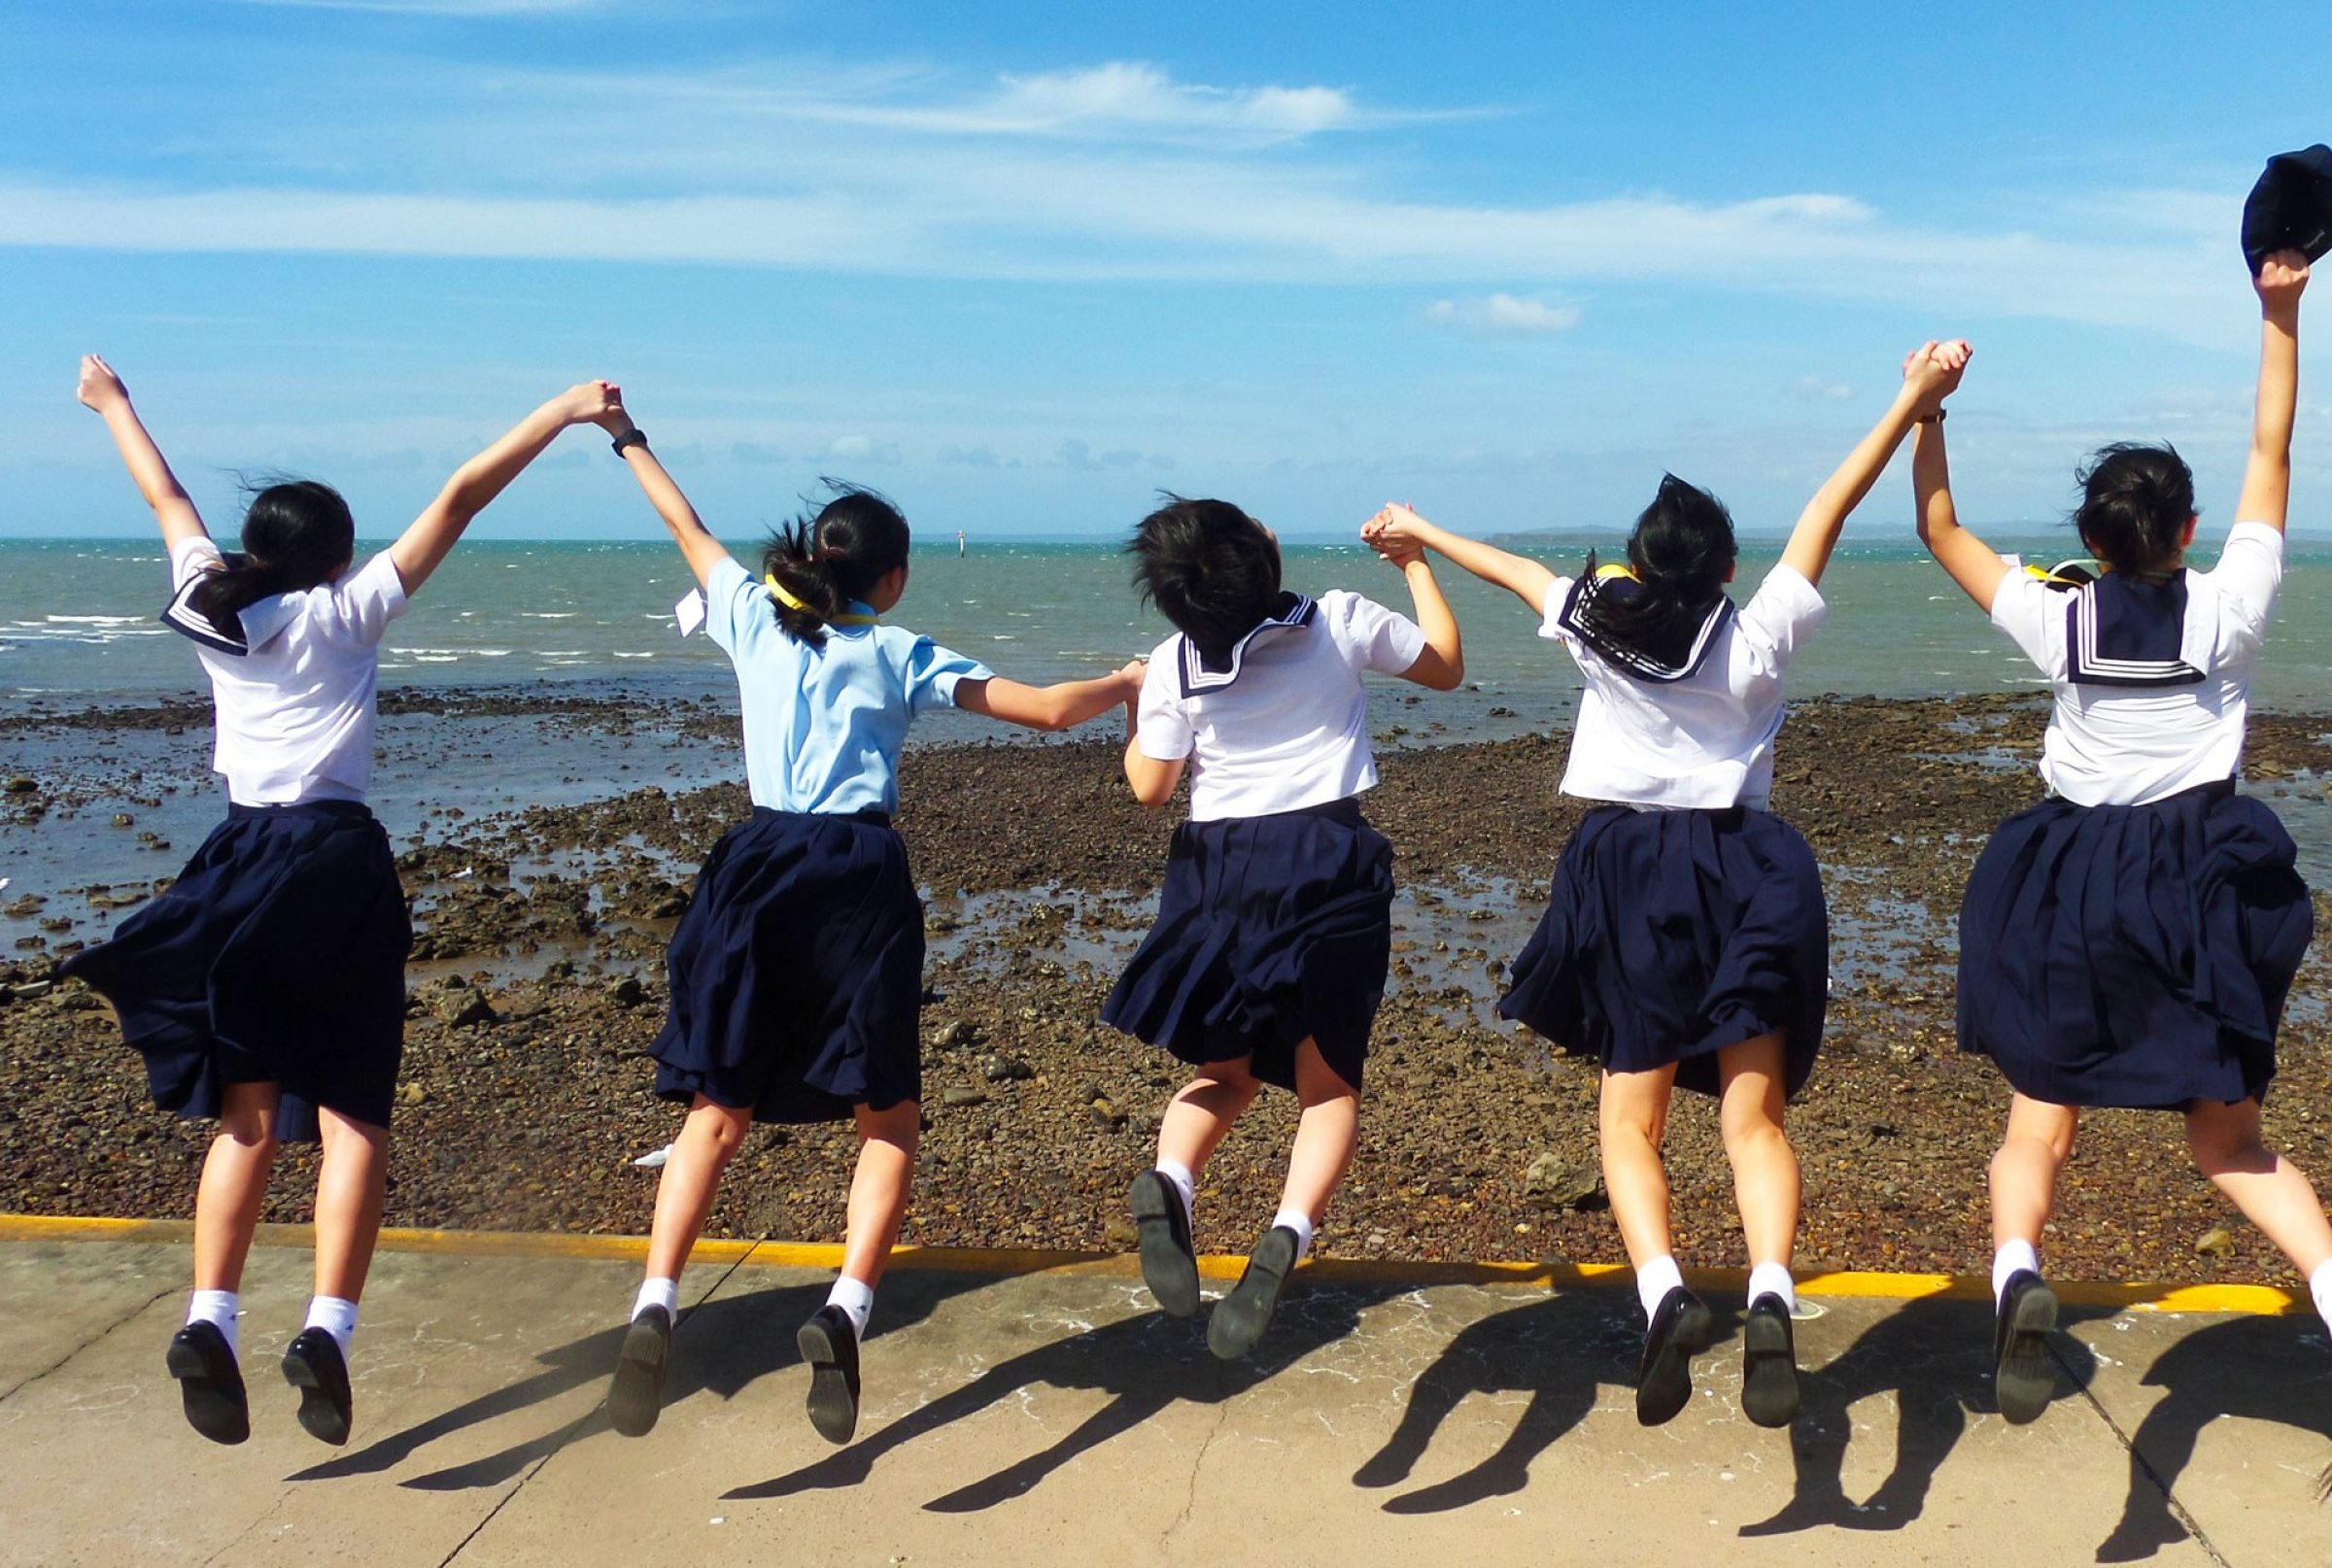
(1241, 1317)
(1679, 1330)
(2023, 1379)
(209, 1383)
(635, 1397)
(1769, 1363)
(830, 1345)
(314, 1366)
(1169, 1262)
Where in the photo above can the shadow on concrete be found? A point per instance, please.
(721, 1348)
(2244, 1367)
(1561, 1351)
(1146, 1364)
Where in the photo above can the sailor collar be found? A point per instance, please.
(1659, 666)
(2122, 631)
(257, 623)
(1294, 611)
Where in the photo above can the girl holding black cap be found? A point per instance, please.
(2131, 940)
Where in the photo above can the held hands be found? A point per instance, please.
(1129, 679)
(595, 402)
(1931, 373)
(100, 388)
(2282, 277)
(1397, 534)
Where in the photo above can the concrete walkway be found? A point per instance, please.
(1054, 1418)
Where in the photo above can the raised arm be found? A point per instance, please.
(1972, 564)
(2267, 478)
(427, 540)
(101, 390)
(1929, 373)
(1399, 529)
(1441, 665)
(1060, 706)
(697, 546)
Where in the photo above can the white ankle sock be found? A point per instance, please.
(1653, 1283)
(856, 1299)
(1773, 1279)
(218, 1307)
(2320, 1285)
(2012, 1258)
(1301, 1224)
(654, 1292)
(336, 1316)
(1184, 1182)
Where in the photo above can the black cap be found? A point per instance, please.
(2291, 208)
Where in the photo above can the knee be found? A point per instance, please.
(250, 1129)
(901, 1125)
(1624, 1124)
(1752, 1131)
(721, 1128)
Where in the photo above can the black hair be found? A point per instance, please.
(2136, 502)
(1681, 551)
(856, 540)
(1210, 568)
(297, 533)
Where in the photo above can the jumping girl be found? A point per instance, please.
(2131, 940)
(1686, 941)
(798, 970)
(266, 988)
(1274, 929)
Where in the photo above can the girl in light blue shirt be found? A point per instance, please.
(798, 970)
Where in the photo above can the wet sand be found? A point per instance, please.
(536, 987)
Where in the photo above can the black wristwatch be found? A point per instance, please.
(633, 437)
(1937, 418)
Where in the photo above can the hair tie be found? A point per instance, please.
(778, 592)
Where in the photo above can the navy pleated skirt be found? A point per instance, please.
(278, 956)
(1270, 929)
(797, 973)
(1671, 935)
(2133, 955)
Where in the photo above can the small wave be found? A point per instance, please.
(635, 656)
(436, 659)
(549, 615)
(564, 653)
(95, 620)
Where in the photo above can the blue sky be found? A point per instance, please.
(1022, 265)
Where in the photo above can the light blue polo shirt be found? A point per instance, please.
(824, 726)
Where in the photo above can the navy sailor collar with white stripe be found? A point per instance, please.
(1664, 665)
(1294, 611)
(2122, 630)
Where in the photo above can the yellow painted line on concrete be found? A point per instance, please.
(2129, 1295)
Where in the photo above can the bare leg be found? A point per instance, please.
(879, 1188)
(351, 1190)
(1765, 1168)
(1325, 1136)
(234, 1184)
(1197, 1118)
(2024, 1168)
(1634, 1118)
(2273, 1193)
(708, 1140)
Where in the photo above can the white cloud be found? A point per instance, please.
(1117, 172)
(863, 449)
(1503, 315)
(1819, 390)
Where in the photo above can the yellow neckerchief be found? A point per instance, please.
(777, 592)
(1614, 571)
(2048, 575)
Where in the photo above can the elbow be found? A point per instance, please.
(1451, 677)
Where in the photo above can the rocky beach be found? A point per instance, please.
(536, 987)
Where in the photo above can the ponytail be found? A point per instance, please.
(2136, 502)
(298, 534)
(1679, 554)
(821, 564)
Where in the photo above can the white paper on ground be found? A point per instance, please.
(654, 1159)
(690, 611)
